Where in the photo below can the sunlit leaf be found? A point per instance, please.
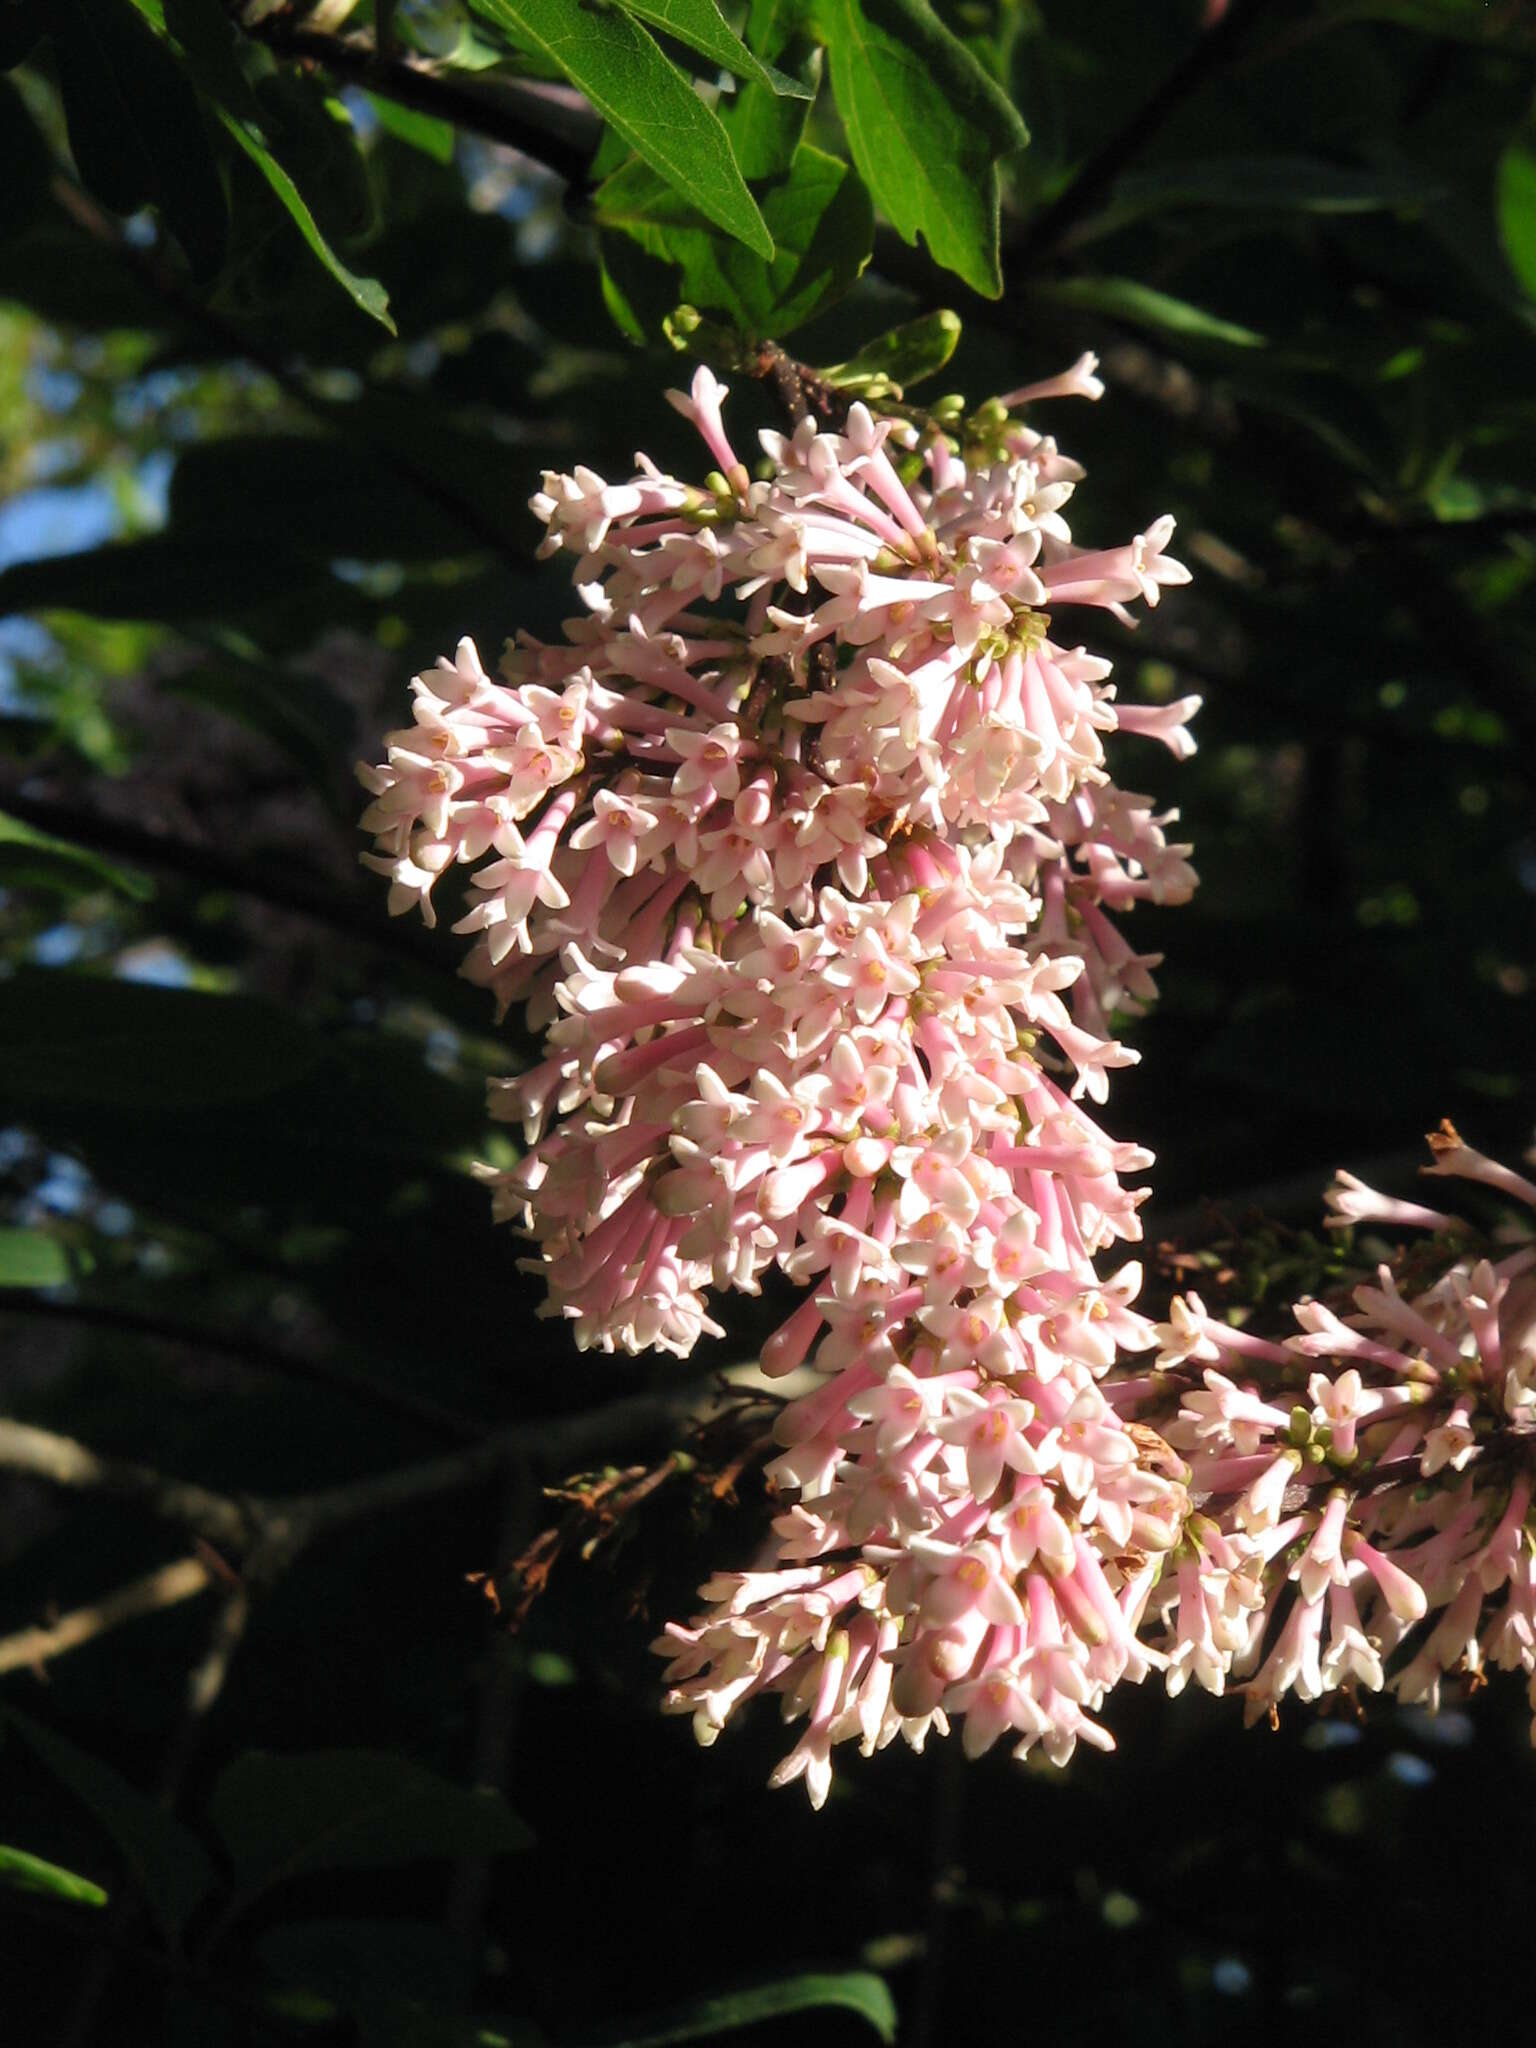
(434, 138)
(645, 99)
(901, 356)
(764, 127)
(927, 128)
(1517, 212)
(700, 25)
(31, 1258)
(28, 1873)
(822, 225)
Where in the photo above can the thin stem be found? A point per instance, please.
(30, 1648)
(272, 1532)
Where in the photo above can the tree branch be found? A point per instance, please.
(246, 1351)
(271, 1532)
(220, 1520)
(31, 1648)
(521, 117)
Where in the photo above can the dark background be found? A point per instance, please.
(240, 1106)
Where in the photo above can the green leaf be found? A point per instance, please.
(364, 292)
(72, 1039)
(645, 99)
(135, 128)
(36, 859)
(322, 494)
(434, 138)
(212, 46)
(167, 1863)
(1285, 184)
(1517, 212)
(700, 25)
(901, 356)
(1122, 298)
(31, 1258)
(349, 1809)
(858, 1991)
(765, 129)
(363, 1962)
(28, 1873)
(822, 226)
(927, 128)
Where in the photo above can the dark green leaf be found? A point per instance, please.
(1517, 212)
(31, 1258)
(167, 1863)
(361, 1962)
(168, 576)
(1286, 184)
(299, 713)
(135, 128)
(700, 25)
(365, 292)
(1123, 298)
(213, 47)
(645, 99)
(822, 226)
(28, 1873)
(434, 138)
(901, 356)
(927, 128)
(322, 495)
(68, 1038)
(35, 859)
(858, 1991)
(349, 1809)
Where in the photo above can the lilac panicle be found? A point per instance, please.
(801, 850)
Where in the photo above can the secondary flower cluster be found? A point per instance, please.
(1363, 1488)
(801, 849)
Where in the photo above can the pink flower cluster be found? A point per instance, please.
(801, 850)
(1363, 1488)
